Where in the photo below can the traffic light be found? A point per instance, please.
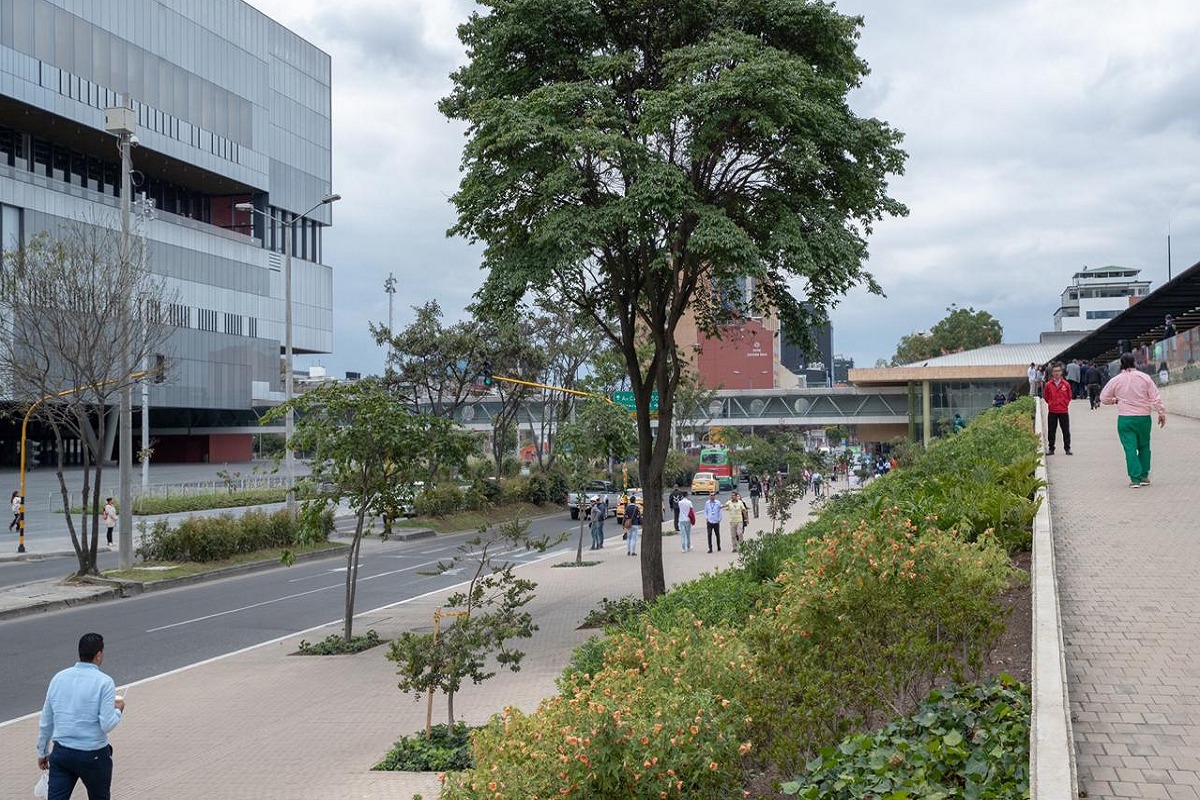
(486, 377)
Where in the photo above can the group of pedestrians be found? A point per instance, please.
(1086, 379)
(1132, 391)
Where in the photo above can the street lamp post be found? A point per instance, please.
(289, 421)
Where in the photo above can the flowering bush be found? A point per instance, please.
(865, 623)
(661, 719)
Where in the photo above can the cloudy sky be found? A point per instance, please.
(1043, 136)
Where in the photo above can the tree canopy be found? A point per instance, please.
(961, 329)
(639, 160)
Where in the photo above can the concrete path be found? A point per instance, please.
(1129, 578)
(264, 723)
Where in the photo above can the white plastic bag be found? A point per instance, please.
(42, 787)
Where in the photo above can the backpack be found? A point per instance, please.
(692, 516)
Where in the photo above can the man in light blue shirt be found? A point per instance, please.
(712, 516)
(81, 708)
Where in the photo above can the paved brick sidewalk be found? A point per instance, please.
(1129, 577)
(265, 724)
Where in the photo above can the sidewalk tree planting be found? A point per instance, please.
(642, 161)
(482, 620)
(363, 443)
(71, 328)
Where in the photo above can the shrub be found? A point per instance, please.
(614, 612)
(661, 719)
(558, 487)
(864, 625)
(176, 504)
(335, 645)
(586, 660)
(205, 539)
(446, 748)
(439, 501)
(537, 489)
(722, 598)
(971, 741)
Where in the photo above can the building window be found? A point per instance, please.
(233, 324)
(207, 320)
(179, 315)
(1102, 314)
(253, 325)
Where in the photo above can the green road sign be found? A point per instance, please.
(626, 399)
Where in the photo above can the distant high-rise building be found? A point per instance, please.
(812, 367)
(1096, 295)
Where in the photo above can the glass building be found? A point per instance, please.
(231, 107)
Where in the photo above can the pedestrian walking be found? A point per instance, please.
(110, 518)
(1058, 393)
(687, 518)
(81, 709)
(1091, 379)
(1135, 395)
(596, 524)
(1071, 373)
(673, 501)
(15, 500)
(738, 517)
(712, 518)
(1032, 374)
(633, 525)
(756, 490)
(600, 515)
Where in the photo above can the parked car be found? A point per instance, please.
(704, 483)
(591, 492)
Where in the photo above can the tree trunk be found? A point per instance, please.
(450, 709)
(65, 493)
(352, 573)
(579, 548)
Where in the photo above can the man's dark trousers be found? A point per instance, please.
(93, 767)
(714, 528)
(1054, 421)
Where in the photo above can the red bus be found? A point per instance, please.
(718, 461)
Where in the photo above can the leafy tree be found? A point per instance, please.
(486, 616)
(961, 329)
(431, 366)
(639, 160)
(73, 325)
(364, 444)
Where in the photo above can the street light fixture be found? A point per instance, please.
(288, 387)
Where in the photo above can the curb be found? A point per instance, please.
(1052, 773)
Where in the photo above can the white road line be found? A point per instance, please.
(287, 636)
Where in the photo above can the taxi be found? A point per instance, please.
(704, 483)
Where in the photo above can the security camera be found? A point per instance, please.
(134, 141)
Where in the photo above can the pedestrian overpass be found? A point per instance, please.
(749, 409)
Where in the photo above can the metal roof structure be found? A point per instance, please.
(1142, 324)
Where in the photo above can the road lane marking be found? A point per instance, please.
(286, 636)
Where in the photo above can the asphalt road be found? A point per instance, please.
(161, 631)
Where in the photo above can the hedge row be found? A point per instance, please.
(203, 539)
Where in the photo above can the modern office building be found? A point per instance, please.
(1096, 295)
(230, 108)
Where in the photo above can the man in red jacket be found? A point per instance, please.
(1057, 393)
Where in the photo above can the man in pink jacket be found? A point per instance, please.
(1135, 395)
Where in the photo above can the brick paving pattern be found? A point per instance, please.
(1129, 581)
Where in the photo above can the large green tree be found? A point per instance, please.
(961, 329)
(639, 160)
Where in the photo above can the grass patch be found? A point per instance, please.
(575, 564)
(474, 520)
(335, 645)
(152, 571)
(176, 504)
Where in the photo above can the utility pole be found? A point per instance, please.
(121, 121)
(389, 286)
